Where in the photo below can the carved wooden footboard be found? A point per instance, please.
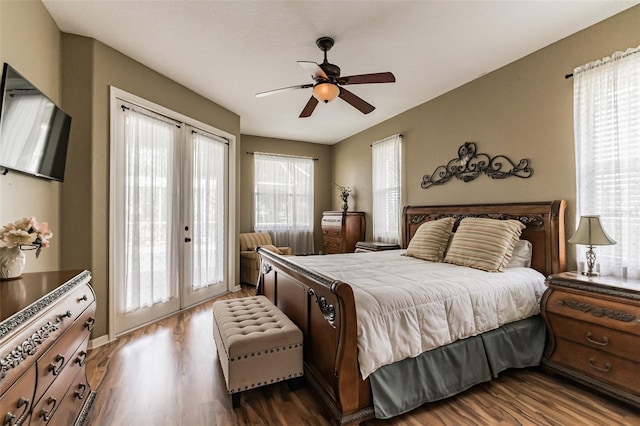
(325, 312)
(324, 309)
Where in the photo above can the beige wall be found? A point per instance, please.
(523, 110)
(322, 175)
(90, 68)
(30, 43)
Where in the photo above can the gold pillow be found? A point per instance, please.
(430, 240)
(484, 244)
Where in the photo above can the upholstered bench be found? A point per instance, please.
(257, 345)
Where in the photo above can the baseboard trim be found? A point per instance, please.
(98, 341)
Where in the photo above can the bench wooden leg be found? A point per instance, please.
(235, 400)
(295, 383)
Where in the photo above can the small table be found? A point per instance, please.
(370, 246)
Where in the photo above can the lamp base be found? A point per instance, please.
(590, 273)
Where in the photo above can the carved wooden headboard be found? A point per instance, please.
(544, 223)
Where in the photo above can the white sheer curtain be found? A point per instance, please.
(284, 200)
(151, 209)
(386, 173)
(22, 135)
(208, 198)
(607, 143)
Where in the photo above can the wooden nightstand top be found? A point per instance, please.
(627, 288)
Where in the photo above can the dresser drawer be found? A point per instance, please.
(331, 243)
(332, 222)
(598, 364)
(595, 336)
(16, 402)
(614, 315)
(332, 232)
(74, 399)
(52, 398)
(67, 349)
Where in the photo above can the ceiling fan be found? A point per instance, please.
(328, 84)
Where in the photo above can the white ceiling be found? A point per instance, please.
(228, 51)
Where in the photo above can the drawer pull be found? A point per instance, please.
(8, 418)
(604, 342)
(81, 359)
(84, 298)
(65, 315)
(55, 369)
(46, 415)
(89, 324)
(606, 368)
(82, 390)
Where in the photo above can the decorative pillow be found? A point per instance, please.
(485, 244)
(272, 248)
(521, 256)
(430, 240)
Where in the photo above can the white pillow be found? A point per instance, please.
(521, 256)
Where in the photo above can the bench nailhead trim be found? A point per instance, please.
(255, 385)
(284, 348)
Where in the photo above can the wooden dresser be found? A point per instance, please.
(45, 322)
(342, 230)
(594, 332)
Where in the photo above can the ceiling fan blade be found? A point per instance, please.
(355, 101)
(380, 77)
(284, 89)
(309, 107)
(314, 69)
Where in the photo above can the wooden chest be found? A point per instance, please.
(341, 231)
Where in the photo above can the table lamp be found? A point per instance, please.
(590, 233)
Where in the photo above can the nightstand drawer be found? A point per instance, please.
(598, 365)
(618, 316)
(595, 336)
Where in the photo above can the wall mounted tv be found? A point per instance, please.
(34, 132)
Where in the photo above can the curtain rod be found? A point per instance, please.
(148, 113)
(615, 57)
(384, 139)
(282, 155)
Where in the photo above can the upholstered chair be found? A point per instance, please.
(249, 259)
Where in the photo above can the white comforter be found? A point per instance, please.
(406, 306)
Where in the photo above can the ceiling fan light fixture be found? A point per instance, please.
(326, 92)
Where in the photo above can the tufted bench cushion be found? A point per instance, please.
(257, 344)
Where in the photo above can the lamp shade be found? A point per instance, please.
(326, 92)
(590, 233)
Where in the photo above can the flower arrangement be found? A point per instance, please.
(344, 195)
(26, 234)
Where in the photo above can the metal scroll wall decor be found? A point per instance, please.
(470, 164)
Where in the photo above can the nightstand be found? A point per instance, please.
(369, 246)
(594, 332)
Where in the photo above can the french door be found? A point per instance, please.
(169, 218)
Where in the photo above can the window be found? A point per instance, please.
(387, 188)
(284, 200)
(607, 136)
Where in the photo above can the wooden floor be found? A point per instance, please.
(168, 373)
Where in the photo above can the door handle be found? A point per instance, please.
(187, 240)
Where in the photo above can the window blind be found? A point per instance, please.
(386, 170)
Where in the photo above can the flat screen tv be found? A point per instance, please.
(34, 132)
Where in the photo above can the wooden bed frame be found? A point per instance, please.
(324, 309)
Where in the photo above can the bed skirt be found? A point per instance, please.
(446, 371)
